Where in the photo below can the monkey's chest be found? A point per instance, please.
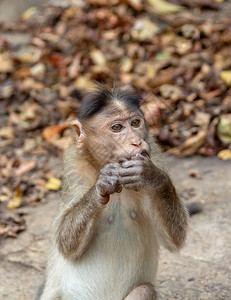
(122, 255)
(125, 224)
(120, 220)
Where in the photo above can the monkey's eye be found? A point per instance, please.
(116, 127)
(135, 123)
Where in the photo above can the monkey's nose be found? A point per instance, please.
(136, 143)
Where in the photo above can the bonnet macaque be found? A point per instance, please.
(118, 206)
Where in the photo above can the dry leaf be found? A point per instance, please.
(74, 68)
(83, 82)
(226, 77)
(193, 143)
(172, 92)
(52, 131)
(190, 31)
(151, 113)
(25, 167)
(126, 65)
(137, 4)
(4, 198)
(6, 89)
(165, 7)
(11, 223)
(53, 184)
(28, 54)
(62, 143)
(144, 30)
(98, 57)
(224, 154)
(6, 63)
(202, 119)
(16, 201)
(22, 73)
(53, 136)
(67, 107)
(38, 71)
(29, 144)
(5, 143)
(30, 12)
(6, 194)
(31, 84)
(7, 132)
(224, 129)
(183, 46)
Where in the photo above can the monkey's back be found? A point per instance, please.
(122, 255)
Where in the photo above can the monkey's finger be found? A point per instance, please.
(119, 188)
(141, 156)
(113, 166)
(111, 173)
(129, 179)
(121, 160)
(130, 172)
(132, 186)
(131, 163)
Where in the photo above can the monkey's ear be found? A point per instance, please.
(78, 132)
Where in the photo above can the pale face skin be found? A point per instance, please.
(117, 142)
(120, 138)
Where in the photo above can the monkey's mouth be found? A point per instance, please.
(137, 155)
(144, 153)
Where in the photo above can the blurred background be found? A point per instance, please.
(177, 55)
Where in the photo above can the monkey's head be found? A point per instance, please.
(110, 125)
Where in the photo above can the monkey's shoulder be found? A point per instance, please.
(78, 168)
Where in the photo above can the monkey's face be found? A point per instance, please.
(123, 136)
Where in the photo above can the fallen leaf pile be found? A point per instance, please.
(177, 55)
(11, 223)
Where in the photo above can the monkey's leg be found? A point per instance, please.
(143, 292)
(50, 293)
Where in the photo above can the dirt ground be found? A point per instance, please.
(200, 271)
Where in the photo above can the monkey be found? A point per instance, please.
(118, 205)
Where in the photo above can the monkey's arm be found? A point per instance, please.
(76, 223)
(172, 217)
(171, 213)
(75, 226)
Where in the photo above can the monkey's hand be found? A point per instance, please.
(137, 173)
(108, 181)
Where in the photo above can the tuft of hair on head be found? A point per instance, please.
(101, 96)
